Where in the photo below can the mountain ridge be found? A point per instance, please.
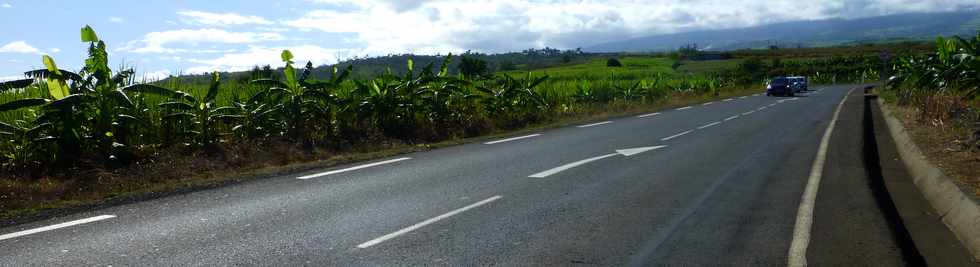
(809, 33)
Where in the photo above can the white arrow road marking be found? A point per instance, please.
(56, 226)
(709, 125)
(569, 166)
(511, 139)
(625, 152)
(311, 176)
(687, 107)
(594, 124)
(426, 222)
(633, 151)
(648, 115)
(676, 135)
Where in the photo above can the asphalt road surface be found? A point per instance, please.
(713, 184)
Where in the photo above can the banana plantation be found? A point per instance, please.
(56, 120)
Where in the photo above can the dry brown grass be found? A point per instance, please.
(944, 129)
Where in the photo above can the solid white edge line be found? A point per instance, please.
(731, 118)
(709, 125)
(709, 103)
(761, 108)
(772, 105)
(426, 222)
(687, 107)
(56, 226)
(512, 139)
(804, 215)
(648, 115)
(743, 97)
(311, 176)
(569, 166)
(748, 112)
(594, 124)
(727, 99)
(676, 135)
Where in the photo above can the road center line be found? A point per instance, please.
(804, 215)
(648, 115)
(594, 124)
(56, 226)
(511, 139)
(426, 222)
(709, 125)
(569, 166)
(676, 135)
(351, 168)
(731, 118)
(748, 112)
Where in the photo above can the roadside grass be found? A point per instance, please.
(177, 172)
(707, 66)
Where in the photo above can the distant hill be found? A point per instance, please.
(913, 26)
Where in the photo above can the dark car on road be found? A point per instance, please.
(780, 86)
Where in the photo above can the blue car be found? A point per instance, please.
(780, 86)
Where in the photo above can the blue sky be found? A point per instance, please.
(159, 38)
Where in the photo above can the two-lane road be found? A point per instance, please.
(712, 184)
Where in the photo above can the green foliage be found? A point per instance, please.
(473, 67)
(103, 116)
(613, 62)
(955, 68)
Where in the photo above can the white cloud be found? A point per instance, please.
(260, 55)
(221, 19)
(156, 75)
(116, 19)
(19, 47)
(155, 42)
(11, 77)
(6, 5)
(55, 50)
(396, 26)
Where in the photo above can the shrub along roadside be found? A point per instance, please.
(57, 122)
(938, 98)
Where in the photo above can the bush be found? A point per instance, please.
(613, 62)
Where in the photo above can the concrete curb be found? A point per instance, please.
(957, 209)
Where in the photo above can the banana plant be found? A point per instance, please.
(296, 104)
(202, 114)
